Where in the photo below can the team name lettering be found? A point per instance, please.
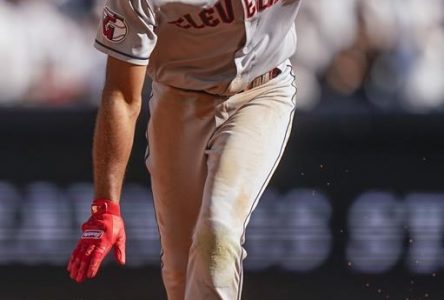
(222, 12)
(255, 6)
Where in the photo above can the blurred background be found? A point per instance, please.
(356, 208)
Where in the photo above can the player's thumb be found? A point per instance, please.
(119, 250)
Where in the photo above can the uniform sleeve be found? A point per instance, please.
(126, 31)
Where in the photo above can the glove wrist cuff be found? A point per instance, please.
(105, 206)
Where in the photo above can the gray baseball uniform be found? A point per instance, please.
(221, 113)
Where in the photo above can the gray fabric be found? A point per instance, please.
(213, 46)
(126, 31)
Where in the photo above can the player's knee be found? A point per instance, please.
(217, 249)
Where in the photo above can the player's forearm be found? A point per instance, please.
(113, 140)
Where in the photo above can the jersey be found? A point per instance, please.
(216, 46)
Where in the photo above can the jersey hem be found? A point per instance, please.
(142, 61)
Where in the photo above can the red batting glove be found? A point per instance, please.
(103, 230)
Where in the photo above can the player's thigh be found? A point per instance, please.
(179, 127)
(246, 151)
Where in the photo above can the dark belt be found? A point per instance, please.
(264, 78)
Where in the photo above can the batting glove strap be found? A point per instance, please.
(105, 206)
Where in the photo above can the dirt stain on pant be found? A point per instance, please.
(218, 249)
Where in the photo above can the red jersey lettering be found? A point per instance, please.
(222, 12)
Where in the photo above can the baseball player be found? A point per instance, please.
(222, 104)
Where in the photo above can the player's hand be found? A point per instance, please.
(103, 230)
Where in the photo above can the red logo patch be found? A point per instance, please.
(114, 26)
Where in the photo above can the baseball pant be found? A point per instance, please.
(210, 159)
